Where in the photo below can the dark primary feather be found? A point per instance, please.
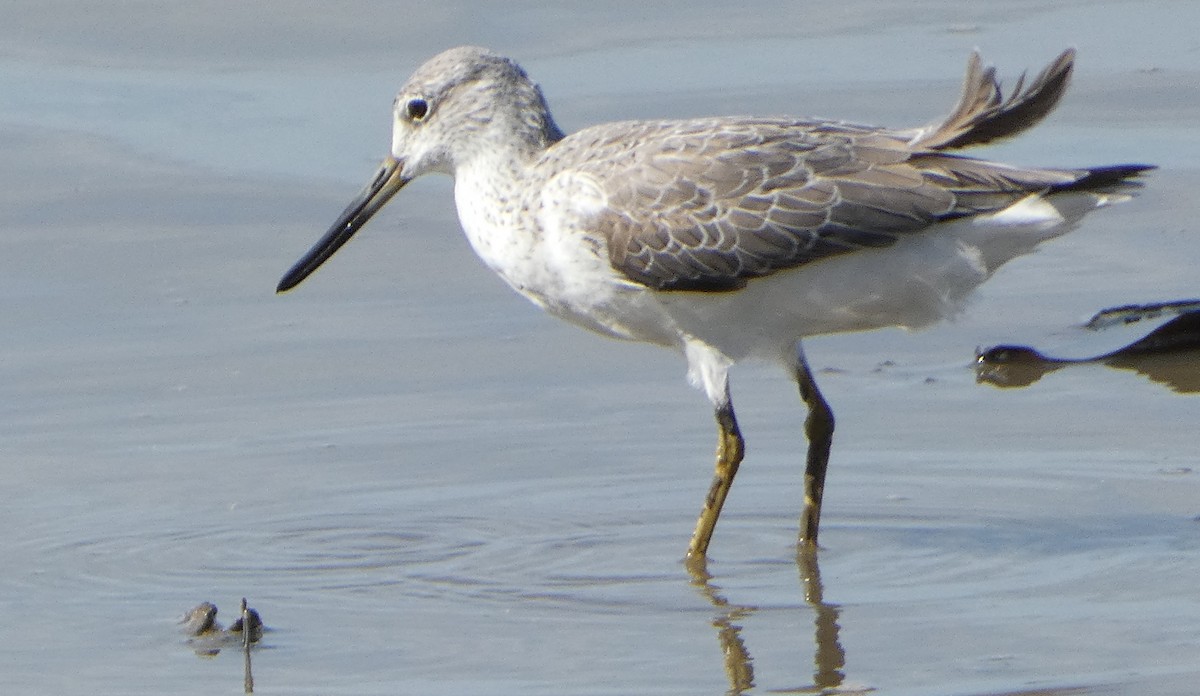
(708, 204)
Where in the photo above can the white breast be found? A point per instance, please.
(540, 239)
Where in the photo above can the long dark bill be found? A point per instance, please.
(381, 189)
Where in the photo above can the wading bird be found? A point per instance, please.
(729, 238)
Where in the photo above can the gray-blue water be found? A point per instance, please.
(426, 486)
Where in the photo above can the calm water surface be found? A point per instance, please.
(425, 486)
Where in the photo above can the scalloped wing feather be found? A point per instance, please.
(708, 204)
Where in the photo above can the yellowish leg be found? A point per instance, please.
(730, 448)
(818, 427)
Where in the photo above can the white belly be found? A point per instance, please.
(921, 279)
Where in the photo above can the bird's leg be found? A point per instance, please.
(730, 448)
(818, 427)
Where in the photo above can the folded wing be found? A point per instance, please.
(709, 204)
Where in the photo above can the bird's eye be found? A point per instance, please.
(416, 109)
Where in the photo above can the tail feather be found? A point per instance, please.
(1107, 179)
(983, 114)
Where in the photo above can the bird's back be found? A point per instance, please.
(709, 204)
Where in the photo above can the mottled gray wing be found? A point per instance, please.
(709, 204)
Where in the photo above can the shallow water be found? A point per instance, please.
(425, 486)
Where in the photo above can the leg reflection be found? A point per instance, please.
(739, 668)
(830, 658)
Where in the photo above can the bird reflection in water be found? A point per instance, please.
(829, 657)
